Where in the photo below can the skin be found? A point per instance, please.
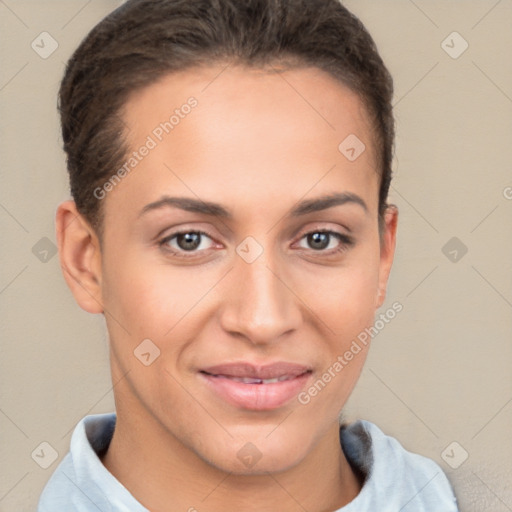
(255, 146)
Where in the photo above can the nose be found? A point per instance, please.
(259, 302)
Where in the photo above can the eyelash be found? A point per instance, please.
(181, 254)
(345, 242)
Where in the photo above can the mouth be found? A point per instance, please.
(251, 380)
(259, 388)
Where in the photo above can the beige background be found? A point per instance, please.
(439, 372)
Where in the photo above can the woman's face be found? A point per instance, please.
(226, 267)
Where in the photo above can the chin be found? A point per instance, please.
(260, 456)
(262, 467)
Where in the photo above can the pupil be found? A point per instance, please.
(318, 240)
(189, 241)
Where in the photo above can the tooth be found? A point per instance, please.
(251, 380)
(248, 380)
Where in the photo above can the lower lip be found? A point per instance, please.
(257, 397)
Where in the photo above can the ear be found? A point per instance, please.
(387, 251)
(80, 257)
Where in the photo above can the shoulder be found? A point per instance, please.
(81, 482)
(66, 490)
(400, 479)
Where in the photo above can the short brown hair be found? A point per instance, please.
(143, 40)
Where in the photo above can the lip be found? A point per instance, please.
(258, 396)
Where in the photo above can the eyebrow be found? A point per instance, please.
(328, 201)
(190, 204)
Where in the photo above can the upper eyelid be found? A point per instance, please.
(205, 232)
(300, 234)
(184, 231)
(166, 238)
(343, 238)
(317, 225)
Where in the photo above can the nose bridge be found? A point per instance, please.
(258, 304)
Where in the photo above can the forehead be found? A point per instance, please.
(250, 131)
(226, 93)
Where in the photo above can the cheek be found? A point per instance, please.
(149, 311)
(149, 296)
(344, 304)
(167, 305)
(344, 298)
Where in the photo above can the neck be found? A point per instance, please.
(163, 472)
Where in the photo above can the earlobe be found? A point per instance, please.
(80, 257)
(387, 251)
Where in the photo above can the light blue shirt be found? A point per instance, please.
(396, 481)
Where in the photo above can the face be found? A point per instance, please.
(244, 247)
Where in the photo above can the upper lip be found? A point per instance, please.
(249, 370)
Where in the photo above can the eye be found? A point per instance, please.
(326, 241)
(186, 242)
